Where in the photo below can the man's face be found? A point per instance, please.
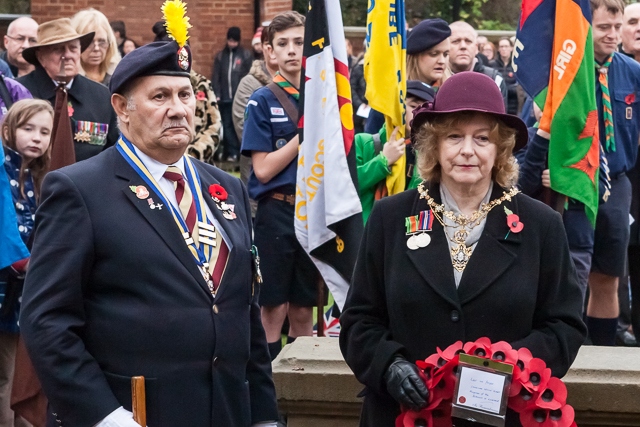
(160, 115)
(50, 57)
(606, 32)
(463, 48)
(286, 49)
(631, 29)
(232, 44)
(22, 34)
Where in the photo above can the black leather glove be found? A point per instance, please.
(405, 385)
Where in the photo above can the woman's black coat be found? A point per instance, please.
(518, 287)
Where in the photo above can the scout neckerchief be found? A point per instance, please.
(286, 86)
(607, 112)
(202, 250)
(603, 78)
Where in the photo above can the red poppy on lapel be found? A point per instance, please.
(200, 96)
(630, 99)
(70, 109)
(218, 192)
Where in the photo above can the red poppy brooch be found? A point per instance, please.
(539, 398)
(219, 196)
(513, 222)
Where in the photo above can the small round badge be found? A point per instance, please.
(142, 192)
(280, 143)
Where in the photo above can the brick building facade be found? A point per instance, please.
(210, 20)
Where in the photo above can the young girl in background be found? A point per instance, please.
(26, 135)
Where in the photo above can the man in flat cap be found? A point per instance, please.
(142, 266)
(93, 121)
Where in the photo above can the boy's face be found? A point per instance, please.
(411, 102)
(286, 49)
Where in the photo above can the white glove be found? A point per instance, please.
(266, 424)
(118, 418)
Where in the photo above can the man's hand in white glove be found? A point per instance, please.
(118, 418)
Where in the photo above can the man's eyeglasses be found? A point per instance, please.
(102, 44)
(20, 39)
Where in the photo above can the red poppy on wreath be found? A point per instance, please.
(553, 395)
(218, 192)
(539, 375)
(426, 416)
(539, 417)
(521, 400)
(513, 221)
(520, 371)
(200, 96)
(480, 347)
(503, 352)
(450, 352)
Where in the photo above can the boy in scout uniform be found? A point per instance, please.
(271, 139)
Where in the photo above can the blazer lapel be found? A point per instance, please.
(494, 252)
(159, 218)
(233, 229)
(434, 260)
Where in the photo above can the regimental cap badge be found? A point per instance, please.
(183, 58)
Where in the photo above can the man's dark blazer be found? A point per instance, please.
(91, 102)
(113, 292)
(517, 287)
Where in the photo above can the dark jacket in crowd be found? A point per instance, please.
(518, 287)
(509, 77)
(479, 67)
(358, 89)
(229, 67)
(93, 121)
(13, 68)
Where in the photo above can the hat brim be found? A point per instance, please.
(29, 54)
(514, 122)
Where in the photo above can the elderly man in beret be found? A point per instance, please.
(142, 266)
(93, 121)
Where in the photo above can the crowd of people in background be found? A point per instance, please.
(246, 115)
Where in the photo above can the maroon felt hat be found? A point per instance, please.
(470, 91)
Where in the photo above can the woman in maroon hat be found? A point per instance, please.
(464, 256)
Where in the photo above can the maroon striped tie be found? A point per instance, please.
(183, 197)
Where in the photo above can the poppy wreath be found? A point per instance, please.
(539, 398)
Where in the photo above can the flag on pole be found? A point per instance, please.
(328, 214)
(385, 73)
(554, 64)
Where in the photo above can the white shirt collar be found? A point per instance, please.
(68, 84)
(157, 169)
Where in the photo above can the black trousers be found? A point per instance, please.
(230, 142)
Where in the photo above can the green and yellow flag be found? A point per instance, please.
(384, 71)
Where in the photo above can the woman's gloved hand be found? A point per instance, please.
(405, 385)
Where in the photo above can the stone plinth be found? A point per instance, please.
(315, 387)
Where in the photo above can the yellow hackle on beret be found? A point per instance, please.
(176, 21)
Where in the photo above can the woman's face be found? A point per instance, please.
(487, 51)
(433, 62)
(33, 137)
(97, 50)
(465, 153)
(129, 46)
